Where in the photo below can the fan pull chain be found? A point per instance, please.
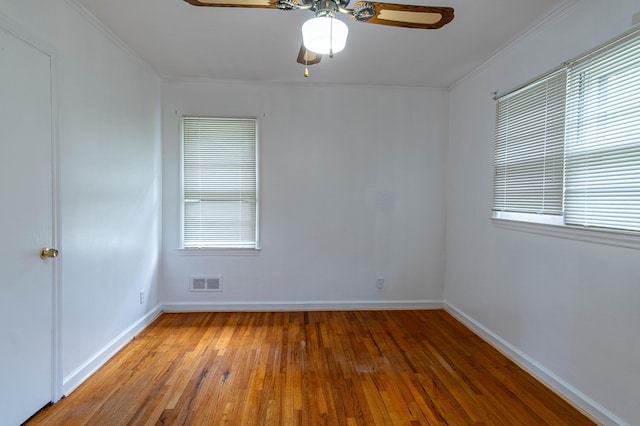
(306, 66)
(331, 38)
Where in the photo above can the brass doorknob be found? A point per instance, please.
(48, 253)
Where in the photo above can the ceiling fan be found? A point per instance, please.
(325, 35)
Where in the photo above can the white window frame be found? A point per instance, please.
(555, 226)
(219, 250)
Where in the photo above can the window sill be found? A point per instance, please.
(218, 251)
(612, 237)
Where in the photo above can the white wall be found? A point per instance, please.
(352, 187)
(568, 308)
(110, 174)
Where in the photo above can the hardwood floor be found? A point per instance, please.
(310, 368)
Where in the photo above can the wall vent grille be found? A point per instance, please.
(205, 284)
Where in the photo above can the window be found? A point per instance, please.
(568, 144)
(529, 148)
(219, 183)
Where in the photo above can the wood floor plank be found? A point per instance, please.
(310, 368)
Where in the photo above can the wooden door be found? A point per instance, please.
(26, 226)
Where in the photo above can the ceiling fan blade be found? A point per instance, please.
(311, 57)
(265, 4)
(402, 15)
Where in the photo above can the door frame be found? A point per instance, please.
(18, 30)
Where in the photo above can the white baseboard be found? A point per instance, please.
(80, 374)
(301, 306)
(551, 380)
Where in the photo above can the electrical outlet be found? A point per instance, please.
(380, 282)
(141, 297)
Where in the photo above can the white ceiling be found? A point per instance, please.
(180, 40)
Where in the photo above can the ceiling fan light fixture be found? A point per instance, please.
(324, 35)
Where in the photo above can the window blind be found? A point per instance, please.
(219, 172)
(602, 187)
(529, 148)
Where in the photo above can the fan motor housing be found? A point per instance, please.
(325, 8)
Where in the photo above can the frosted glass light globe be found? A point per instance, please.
(316, 35)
